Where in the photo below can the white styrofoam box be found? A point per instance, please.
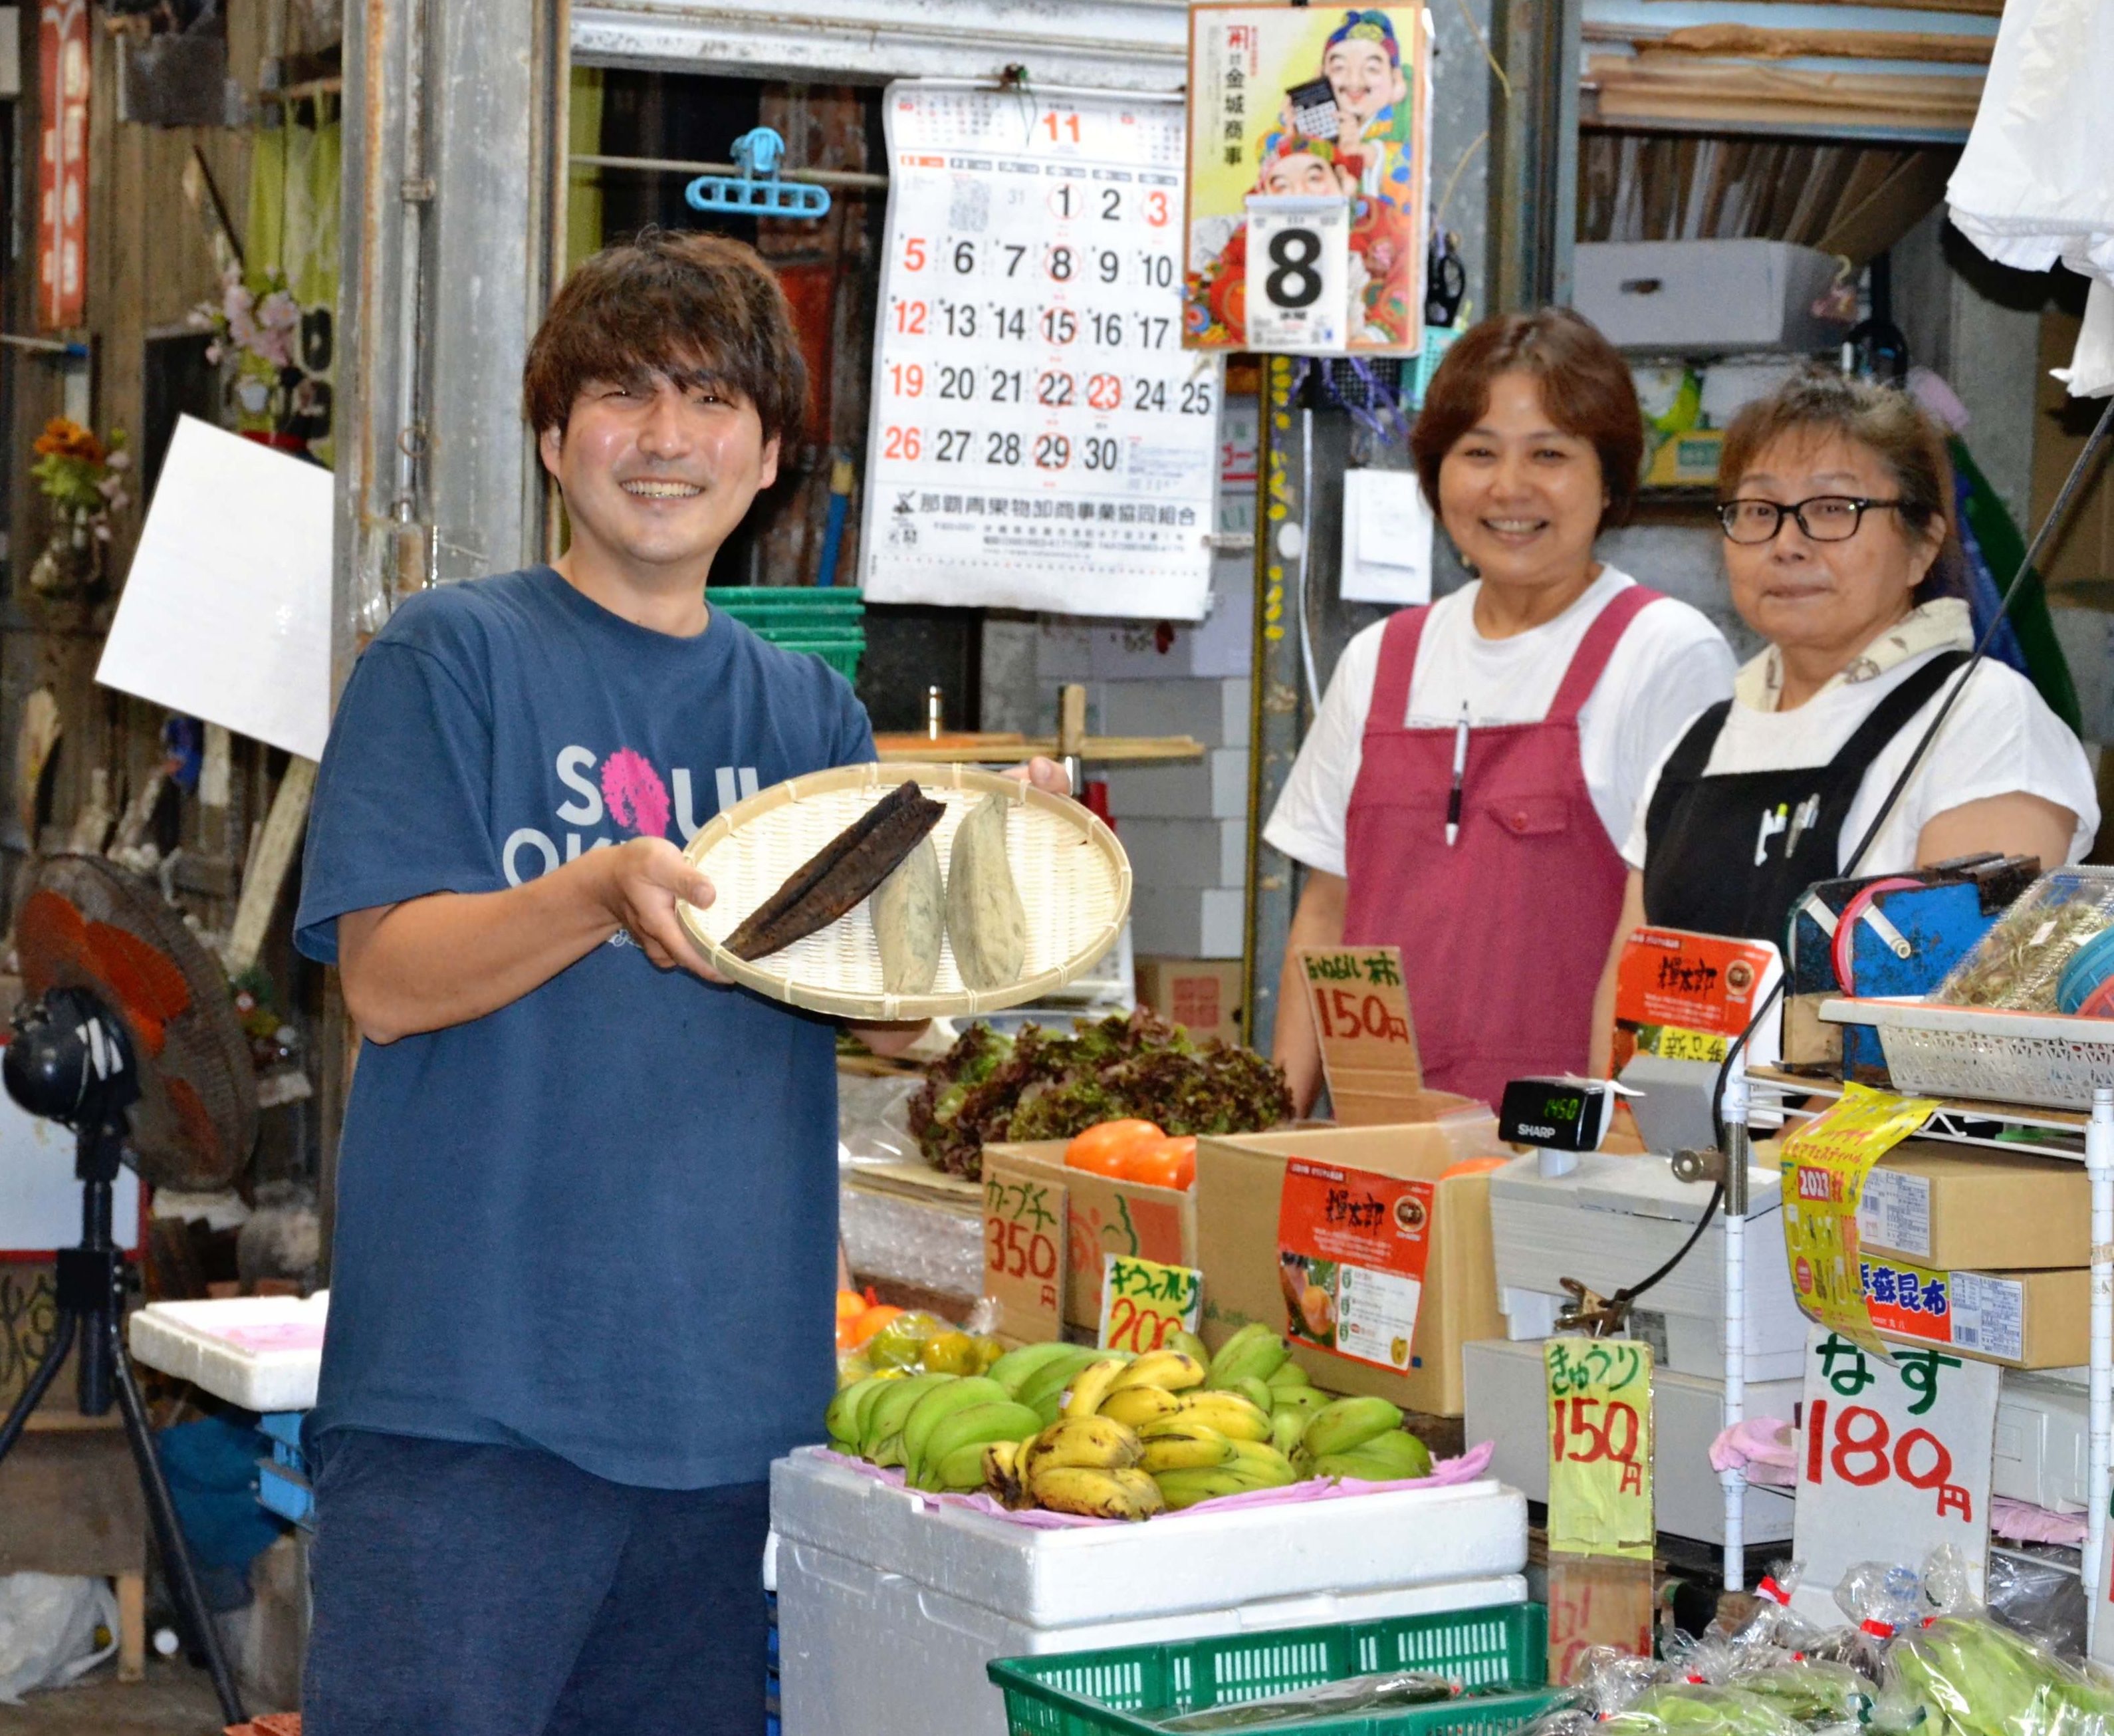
(1704, 297)
(262, 1352)
(866, 1653)
(1213, 788)
(1063, 1578)
(1193, 853)
(2043, 1435)
(1507, 1401)
(1210, 924)
(1613, 1219)
(1215, 713)
(40, 1194)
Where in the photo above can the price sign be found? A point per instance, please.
(1360, 1014)
(1825, 1164)
(1599, 1447)
(1143, 1301)
(1040, 439)
(1024, 1256)
(1298, 298)
(1894, 1460)
(1596, 1601)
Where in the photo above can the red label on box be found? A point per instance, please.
(1694, 981)
(1351, 1250)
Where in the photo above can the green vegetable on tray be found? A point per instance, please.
(1696, 1709)
(1044, 1085)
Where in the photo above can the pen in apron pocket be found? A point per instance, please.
(1460, 769)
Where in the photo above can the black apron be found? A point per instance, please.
(1732, 853)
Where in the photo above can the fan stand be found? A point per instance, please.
(91, 1305)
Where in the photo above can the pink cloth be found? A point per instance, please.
(1444, 1474)
(2023, 1522)
(1766, 1448)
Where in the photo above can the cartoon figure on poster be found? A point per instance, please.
(1293, 104)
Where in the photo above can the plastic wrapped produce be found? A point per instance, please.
(1966, 1676)
(1699, 1709)
(2019, 963)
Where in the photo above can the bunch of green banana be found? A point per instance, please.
(1043, 1390)
(1247, 1465)
(1392, 1457)
(1362, 1438)
(1254, 1352)
(881, 1423)
(946, 1431)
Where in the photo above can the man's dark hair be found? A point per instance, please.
(699, 309)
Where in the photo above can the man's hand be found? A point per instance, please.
(641, 884)
(1044, 774)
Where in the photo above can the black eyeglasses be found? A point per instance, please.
(1826, 518)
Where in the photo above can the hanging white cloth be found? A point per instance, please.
(2036, 182)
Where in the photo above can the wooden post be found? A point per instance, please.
(131, 1627)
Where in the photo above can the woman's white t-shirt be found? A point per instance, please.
(1669, 664)
(1999, 739)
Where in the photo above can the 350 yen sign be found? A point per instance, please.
(1024, 1231)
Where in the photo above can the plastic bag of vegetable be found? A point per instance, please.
(1964, 1674)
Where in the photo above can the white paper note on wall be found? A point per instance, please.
(1387, 538)
(227, 612)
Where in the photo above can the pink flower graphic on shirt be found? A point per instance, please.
(637, 797)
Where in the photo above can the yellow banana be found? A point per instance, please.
(1232, 1415)
(1083, 1397)
(1136, 1406)
(1094, 1443)
(1171, 1371)
(1002, 1469)
(1191, 1448)
(1103, 1495)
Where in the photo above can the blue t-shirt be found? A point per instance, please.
(602, 1220)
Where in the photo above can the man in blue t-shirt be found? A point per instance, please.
(586, 1231)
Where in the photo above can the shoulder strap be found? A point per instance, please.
(1692, 753)
(1399, 639)
(1590, 662)
(1890, 715)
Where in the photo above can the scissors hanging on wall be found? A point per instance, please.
(757, 191)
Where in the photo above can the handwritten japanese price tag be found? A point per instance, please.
(1024, 1231)
(1595, 1601)
(1599, 1447)
(1368, 1042)
(1895, 1460)
(1351, 1249)
(1040, 439)
(1143, 1301)
(1825, 1164)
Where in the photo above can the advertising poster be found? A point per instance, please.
(1309, 133)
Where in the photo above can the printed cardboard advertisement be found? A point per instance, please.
(1291, 110)
(1103, 1217)
(1404, 1255)
(1684, 996)
(1941, 1207)
(2022, 1319)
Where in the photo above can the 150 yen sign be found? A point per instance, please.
(1599, 1447)
(1895, 1460)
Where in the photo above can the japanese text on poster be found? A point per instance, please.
(1684, 996)
(1896, 1459)
(1040, 440)
(1308, 173)
(1599, 1447)
(1351, 1251)
(1824, 1164)
(1142, 1301)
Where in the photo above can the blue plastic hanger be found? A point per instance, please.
(757, 190)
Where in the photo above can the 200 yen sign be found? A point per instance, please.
(1858, 1444)
(1578, 1436)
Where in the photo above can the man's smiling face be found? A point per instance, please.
(656, 472)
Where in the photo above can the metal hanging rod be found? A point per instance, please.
(671, 166)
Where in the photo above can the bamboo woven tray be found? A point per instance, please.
(1073, 878)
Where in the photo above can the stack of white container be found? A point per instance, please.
(890, 1604)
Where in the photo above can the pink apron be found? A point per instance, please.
(1504, 934)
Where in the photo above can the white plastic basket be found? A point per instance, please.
(1986, 1054)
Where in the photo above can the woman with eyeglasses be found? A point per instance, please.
(1836, 504)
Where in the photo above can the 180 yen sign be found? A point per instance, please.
(1895, 1460)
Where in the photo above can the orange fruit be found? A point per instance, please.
(1169, 1162)
(859, 1331)
(1100, 1150)
(850, 1305)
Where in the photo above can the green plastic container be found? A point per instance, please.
(827, 620)
(1087, 1693)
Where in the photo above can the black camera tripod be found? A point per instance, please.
(71, 1062)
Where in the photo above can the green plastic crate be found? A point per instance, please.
(1088, 1693)
(840, 651)
(808, 606)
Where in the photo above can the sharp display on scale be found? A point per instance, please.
(1040, 439)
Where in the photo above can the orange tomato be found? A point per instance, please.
(859, 1331)
(850, 1305)
(1100, 1151)
(1167, 1163)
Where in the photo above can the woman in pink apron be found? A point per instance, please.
(1464, 793)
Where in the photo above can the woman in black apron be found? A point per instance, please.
(1836, 504)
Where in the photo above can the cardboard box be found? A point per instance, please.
(1705, 297)
(1103, 1217)
(2022, 1319)
(1243, 1206)
(1688, 460)
(1203, 995)
(1945, 1208)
